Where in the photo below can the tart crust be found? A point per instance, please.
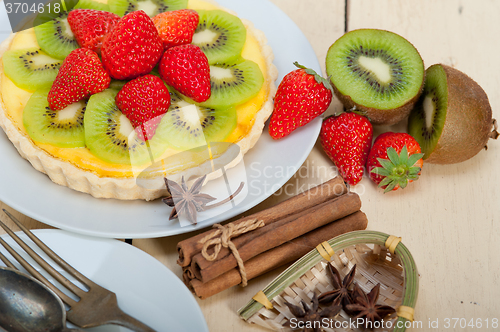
(66, 174)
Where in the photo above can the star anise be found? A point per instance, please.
(187, 202)
(366, 307)
(309, 316)
(341, 294)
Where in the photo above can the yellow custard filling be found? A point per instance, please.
(15, 99)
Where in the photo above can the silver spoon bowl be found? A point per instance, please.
(27, 305)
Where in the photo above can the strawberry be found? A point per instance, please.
(176, 27)
(132, 48)
(394, 160)
(90, 26)
(346, 139)
(301, 96)
(144, 101)
(186, 68)
(80, 76)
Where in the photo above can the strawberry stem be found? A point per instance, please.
(398, 169)
(317, 77)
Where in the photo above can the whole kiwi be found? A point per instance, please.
(467, 125)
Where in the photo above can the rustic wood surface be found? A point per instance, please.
(450, 217)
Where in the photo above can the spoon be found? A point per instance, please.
(27, 305)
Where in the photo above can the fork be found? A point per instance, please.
(96, 306)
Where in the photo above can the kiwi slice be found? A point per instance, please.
(55, 36)
(150, 7)
(62, 128)
(56, 8)
(110, 136)
(187, 126)
(117, 84)
(376, 71)
(220, 35)
(452, 121)
(90, 4)
(30, 69)
(233, 83)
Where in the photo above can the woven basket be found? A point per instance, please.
(396, 272)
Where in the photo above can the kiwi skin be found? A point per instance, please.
(377, 116)
(468, 124)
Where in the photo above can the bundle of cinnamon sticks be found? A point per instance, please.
(288, 231)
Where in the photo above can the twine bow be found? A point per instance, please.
(222, 238)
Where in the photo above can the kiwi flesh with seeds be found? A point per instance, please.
(111, 137)
(62, 128)
(55, 36)
(452, 121)
(186, 126)
(30, 69)
(150, 7)
(376, 71)
(232, 83)
(220, 35)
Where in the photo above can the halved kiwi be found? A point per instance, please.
(452, 120)
(111, 137)
(150, 7)
(220, 36)
(378, 72)
(233, 83)
(30, 69)
(187, 126)
(62, 128)
(55, 36)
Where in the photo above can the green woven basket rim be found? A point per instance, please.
(304, 264)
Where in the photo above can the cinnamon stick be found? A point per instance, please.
(279, 256)
(187, 276)
(188, 272)
(242, 240)
(312, 197)
(277, 233)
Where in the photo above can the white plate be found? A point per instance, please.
(268, 165)
(145, 288)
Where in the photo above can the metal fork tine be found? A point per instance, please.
(69, 301)
(55, 257)
(46, 266)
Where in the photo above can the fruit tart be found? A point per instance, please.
(106, 91)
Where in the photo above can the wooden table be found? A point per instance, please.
(450, 217)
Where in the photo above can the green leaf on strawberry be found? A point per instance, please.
(395, 160)
(301, 96)
(320, 79)
(398, 169)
